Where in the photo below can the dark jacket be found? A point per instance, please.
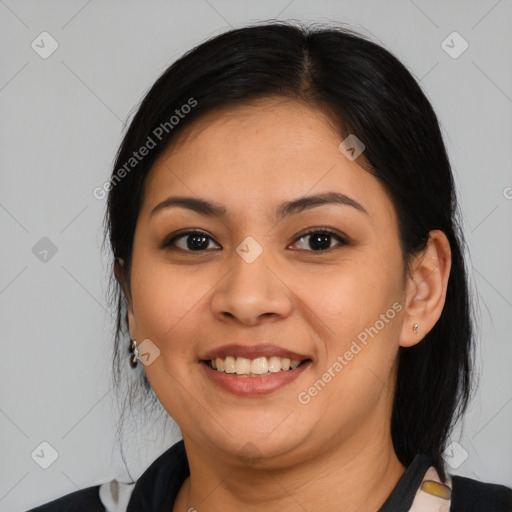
(158, 486)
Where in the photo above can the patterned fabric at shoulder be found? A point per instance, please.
(432, 495)
(115, 495)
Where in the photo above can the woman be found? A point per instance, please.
(284, 226)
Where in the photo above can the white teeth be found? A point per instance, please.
(258, 366)
(229, 365)
(243, 366)
(274, 364)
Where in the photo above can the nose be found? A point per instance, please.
(251, 292)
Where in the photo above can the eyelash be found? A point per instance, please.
(168, 244)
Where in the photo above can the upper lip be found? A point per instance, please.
(252, 352)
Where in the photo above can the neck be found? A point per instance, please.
(354, 475)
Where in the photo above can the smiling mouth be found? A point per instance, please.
(258, 367)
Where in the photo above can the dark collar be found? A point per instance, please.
(402, 496)
(158, 486)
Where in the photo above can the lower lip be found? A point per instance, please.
(250, 386)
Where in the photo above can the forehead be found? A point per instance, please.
(266, 151)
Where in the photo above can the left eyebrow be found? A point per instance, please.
(211, 209)
(306, 202)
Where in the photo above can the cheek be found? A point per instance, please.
(360, 305)
(352, 297)
(167, 302)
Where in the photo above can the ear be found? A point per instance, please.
(426, 287)
(122, 280)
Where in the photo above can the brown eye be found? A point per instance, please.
(320, 239)
(193, 241)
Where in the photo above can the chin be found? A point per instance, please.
(257, 448)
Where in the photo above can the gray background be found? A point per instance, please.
(62, 121)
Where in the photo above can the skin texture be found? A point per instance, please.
(335, 450)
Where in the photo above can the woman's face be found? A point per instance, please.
(257, 280)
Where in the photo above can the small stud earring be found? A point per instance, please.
(415, 329)
(135, 351)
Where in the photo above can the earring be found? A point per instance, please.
(415, 329)
(135, 351)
